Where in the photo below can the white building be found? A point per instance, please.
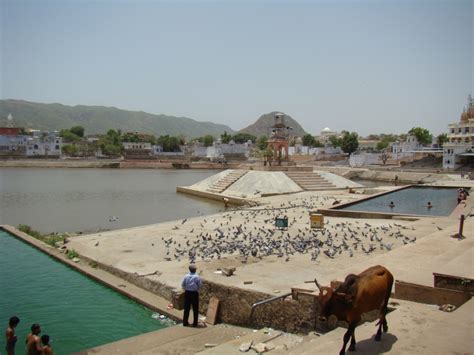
(459, 150)
(325, 134)
(44, 143)
(410, 145)
(219, 150)
(10, 144)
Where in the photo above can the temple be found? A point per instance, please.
(459, 150)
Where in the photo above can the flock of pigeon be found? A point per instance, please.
(251, 232)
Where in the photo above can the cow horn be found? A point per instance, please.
(317, 284)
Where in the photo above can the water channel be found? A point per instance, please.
(71, 200)
(75, 311)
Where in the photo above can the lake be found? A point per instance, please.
(71, 200)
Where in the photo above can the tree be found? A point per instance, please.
(335, 142)
(423, 136)
(169, 143)
(68, 136)
(111, 143)
(308, 140)
(385, 141)
(69, 149)
(317, 144)
(262, 142)
(77, 130)
(441, 139)
(226, 138)
(349, 142)
(208, 140)
(244, 137)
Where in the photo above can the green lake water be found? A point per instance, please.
(75, 311)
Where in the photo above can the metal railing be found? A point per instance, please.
(256, 304)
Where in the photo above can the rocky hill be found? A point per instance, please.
(98, 119)
(261, 127)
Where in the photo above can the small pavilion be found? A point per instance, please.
(279, 139)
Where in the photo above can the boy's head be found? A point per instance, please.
(45, 339)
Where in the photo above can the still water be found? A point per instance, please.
(76, 312)
(412, 200)
(71, 200)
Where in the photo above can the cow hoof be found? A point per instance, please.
(352, 348)
(378, 337)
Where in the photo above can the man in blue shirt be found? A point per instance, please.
(191, 284)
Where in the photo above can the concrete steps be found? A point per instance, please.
(224, 183)
(309, 180)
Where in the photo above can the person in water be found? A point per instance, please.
(391, 205)
(11, 336)
(429, 205)
(33, 341)
(47, 349)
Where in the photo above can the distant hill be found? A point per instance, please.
(98, 119)
(261, 126)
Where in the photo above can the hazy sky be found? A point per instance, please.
(365, 66)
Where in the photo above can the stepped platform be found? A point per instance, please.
(243, 186)
(310, 181)
(223, 183)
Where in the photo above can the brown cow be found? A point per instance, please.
(368, 291)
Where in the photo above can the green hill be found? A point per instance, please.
(261, 127)
(98, 119)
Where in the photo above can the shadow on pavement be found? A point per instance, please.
(370, 346)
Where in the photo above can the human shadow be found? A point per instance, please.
(370, 346)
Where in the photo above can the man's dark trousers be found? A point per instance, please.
(191, 298)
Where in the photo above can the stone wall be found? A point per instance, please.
(236, 304)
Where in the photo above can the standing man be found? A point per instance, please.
(191, 284)
(33, 341)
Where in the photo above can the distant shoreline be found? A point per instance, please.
(112, 164)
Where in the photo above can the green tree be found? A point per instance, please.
(169, 143)
(335, 142)
(244, 137)
(349, 142)
(69, 149)
(114, 137)
(77, 130)
(68, 136)
(308, 140)
(208, 140)
(111, 149)
(131, 137)
(317, 144)
(441, 139)
(385, 141)
(262, 142)
(423, 136)
(111, 143)
(226, 138)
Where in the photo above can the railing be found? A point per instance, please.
(256, 304)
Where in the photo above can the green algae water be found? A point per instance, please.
(75, 311)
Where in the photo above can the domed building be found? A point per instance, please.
(459, 150)
(325, 134)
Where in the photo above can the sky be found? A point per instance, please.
(364, 66)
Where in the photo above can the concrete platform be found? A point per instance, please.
(255, 184)
(422, 247)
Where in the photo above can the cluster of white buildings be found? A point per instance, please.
(216, 152)
(14, 142)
